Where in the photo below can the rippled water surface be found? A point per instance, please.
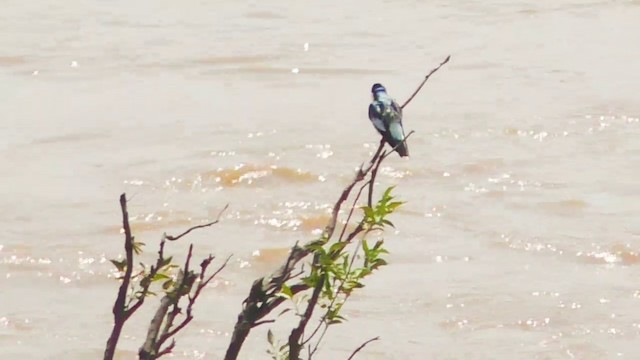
(521, 235)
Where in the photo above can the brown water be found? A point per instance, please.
(521, 236)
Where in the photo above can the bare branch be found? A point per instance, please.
(217, 220)
(424, 81)
(362, 346)
(295, 345)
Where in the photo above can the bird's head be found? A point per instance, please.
(377, 89)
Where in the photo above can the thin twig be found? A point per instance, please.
(167, 350)
(217, 220)
(362, 346)
(324, 331)
(424, 81)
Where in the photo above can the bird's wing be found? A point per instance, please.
(397, 109)
(376, 117)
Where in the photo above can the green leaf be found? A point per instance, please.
(387, 193)
(337, 247)
(120, 265)
(159, 276)
(310, 280)
(315, 245)
(378, 263)
(337, 319)
(364, 273)
(287, 291)
(379, 244)
(387, 222)
(166, 261)
(270, 337)
(394, 205)
(167, 284)
(368, 213)
(137, 247)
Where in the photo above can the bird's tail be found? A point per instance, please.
(397, 135)
(403, 149)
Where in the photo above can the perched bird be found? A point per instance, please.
(386, 116)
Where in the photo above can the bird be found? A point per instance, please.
(386, 116)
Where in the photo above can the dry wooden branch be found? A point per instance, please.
(217, 220)
(362, 346)
(424, 81)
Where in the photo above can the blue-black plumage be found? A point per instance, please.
(386, 116)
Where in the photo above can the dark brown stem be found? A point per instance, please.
(120, 314)
(362, 346)
(424, 81)
(295, 345)
(217, 220)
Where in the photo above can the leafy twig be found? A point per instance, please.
(152, 348)
(120, 313)
(262, 298)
